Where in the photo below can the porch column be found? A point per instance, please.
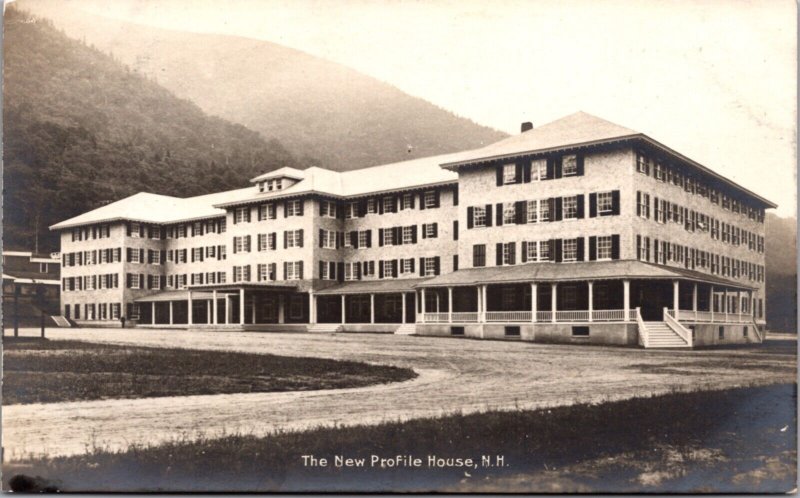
(553, 300)
(479, 301)
(189, 308)
(228, 310)
(725, 304)
(281, 308)
(591, 300)
(534, 303)
(450, 304)
(372, 308)
(739, 305)
(208, 312)
(675, 297)
(422, 303)
(694, 299)
(170, 312)
(484, 303)
(403, 313)
(312, 308)
(626, 298)
(214, 306)
(253, 308)
(241, 306)
(343, 310)
(153, 315)
(711, 302)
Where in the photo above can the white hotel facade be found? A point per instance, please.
(579, 231)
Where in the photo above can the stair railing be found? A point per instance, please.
(643, 335)
(679, 329)
(756, 330)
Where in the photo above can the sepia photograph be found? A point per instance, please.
(399, 246)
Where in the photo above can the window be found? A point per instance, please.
(537, 250)
(371, 206)
(328, 239)
(43, 267)
(660, 173)
(408, 235)
(431, 230)
(388, 236)
(479, 216)
(324, 271)
(509, 173)
(135, 280)
(570, 250)
(431, 199)
(604, 247)
(180, 231)
(533, 211)
(351, 271)
(351, 210)
(294, 208)
(430, 266)
(363, 239)
(642, 165)
(605, 203)
(294, 238)
(327, 209)
(273, 184)
(155, 257)
(241, 244)
(135, 228)
(387, 268)
(570, 206)
(721, 332)
(293, 270)
(408, 266)
(262, 242)
(508, 253)
(389, 205)
(544, 210)
(266, 212)
(569, 165)
(241, 215)
(580, 331)
(115, 311)
(134, 253)
(538, 170)
(479, 255)
(456, 330)
(407, 201)
(512, 330)
(509, 213)
(643, 204)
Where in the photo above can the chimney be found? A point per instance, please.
(527, 125)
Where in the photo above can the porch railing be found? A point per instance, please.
(709, 317)
(527, 316)
(676, 327)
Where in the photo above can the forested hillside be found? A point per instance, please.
(781, 255)
(82, 130)
(343, 118)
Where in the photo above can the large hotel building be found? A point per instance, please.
(578, 231)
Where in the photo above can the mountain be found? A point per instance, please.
(82, 130)
(318, 108)
(781, 273)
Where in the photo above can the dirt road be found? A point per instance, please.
(455, 374)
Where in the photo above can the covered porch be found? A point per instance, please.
(379, 302)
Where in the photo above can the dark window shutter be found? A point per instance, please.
(379, 200)
(499, 174)
(301, 204)
(285, 239)
(362, 208)
(413, 201)
(380, 237)
(638, 203)
(615, 202)
(128, 254)
(498, 256)
(559, 204)
(380, 269)
(285, 214)
(274, 270)
(580, 252)
(470, 214)
(300, 235)
(321, 268)
(162, 280)
(141, 255)
(340, 272)
(580, 206)
(421, 267)
(592, 248)
(128, 278)
(321, 237)
(369, 238)
(300, 270)
(397, 235)
(455, 229)
(354, 239)
(523, 252)
(422, 200)
(285, 269)
(455, 196)
(615, 247)
(162, 258)
(412, 265)
(394, 268)
(551, 208)
(488, 215)
(436, 266)
(518, 172)
(559, 170)
(414, 234)
(499, 214)
(512, 253)
(435, 230)
(520, 208)
(558, 251)
(128, 228)
(592, 205)
(579, 165)
(424, 232)
(526, 172)
(551, 168)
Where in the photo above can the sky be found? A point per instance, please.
(713, 79)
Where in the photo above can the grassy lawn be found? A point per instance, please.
(36, 371)
(739, 440)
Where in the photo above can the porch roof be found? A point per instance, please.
(176, 295)
(559, 272)
(271, 285)
(374, 286)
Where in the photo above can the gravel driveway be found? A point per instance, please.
(455, 374)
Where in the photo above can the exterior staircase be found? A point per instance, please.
(61, 321)
(660, 335)
(325, 328)
(406, 329)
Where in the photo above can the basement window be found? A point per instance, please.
(744, 331)
(456, 330)
(580, 331)
(721, 332)
(512, 331)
